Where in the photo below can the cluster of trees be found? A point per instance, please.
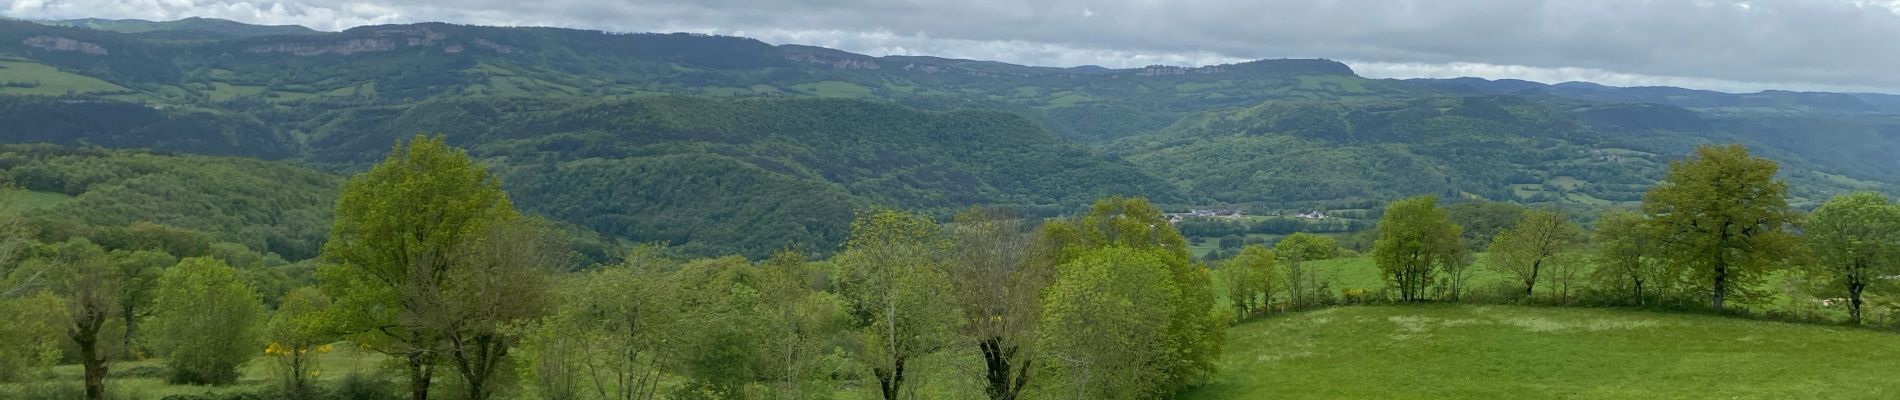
(429, 263)
(1714, 228)
(118, 196)
(1260, 280)
(710, 175)
(1213, 227)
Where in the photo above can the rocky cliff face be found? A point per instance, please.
(56, 43)
(380, 40)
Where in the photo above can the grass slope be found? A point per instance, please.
(1464, 351)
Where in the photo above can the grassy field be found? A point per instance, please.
(24, 200)
(1465, 351)
(146, 379)
(42, 79)
(834, 89)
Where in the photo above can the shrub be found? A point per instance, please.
(1352, 295)
(207, 321)
(360, 386)
(141, 371)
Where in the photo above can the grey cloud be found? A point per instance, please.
(1715, 44)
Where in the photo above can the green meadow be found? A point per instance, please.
(1498, 352)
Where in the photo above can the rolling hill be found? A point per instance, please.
(683, 138)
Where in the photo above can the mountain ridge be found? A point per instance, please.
(573, 117)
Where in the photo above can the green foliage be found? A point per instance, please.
(803, 321)
(1193, 331)
(724, 354)
(1416, 238)
(296, 335)
(1484, 220)
(403, 232)
(891, 274)
(32, 336)
(139, 274)
(1294, 253)
(999, 273)
(126, 125)
(1130, 222)
(143, 201)
(1106, 327)
(1253, 278)
(1722, 217)
(206, 322)
(1628, 257)
(1538, 244)
(79, 273)
(1856, 241)
(613, 335)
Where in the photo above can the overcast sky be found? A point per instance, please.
(1832, 45)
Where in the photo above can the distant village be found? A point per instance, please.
(1235, 215)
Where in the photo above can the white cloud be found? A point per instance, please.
(1572, 74)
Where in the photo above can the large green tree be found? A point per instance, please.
(83, 278)
(139, 273)
(1484, 220)
(1855, 239)
(999, 277)
(296, 338)
(615, 331)
(892, 274)
(1722, 217)
(1415, 239)
(804, 321)
(13, 239)
(401, 236)
(1106, 326)
(1625, 255)
(1528, 249)
(501, 282)
(1193, 331)
(726, 349)
(1295, 252)
(1253, 278)
(206, 322)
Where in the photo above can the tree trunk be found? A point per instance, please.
(1853, 301)
(1004, 382)
(1639, 293)
(478, 365)
(95, 365)
(1721, 267)
(1531, 284)
(1294, 286)
(891, 382)
(131, 328)
(419, 376)
(1721, 285)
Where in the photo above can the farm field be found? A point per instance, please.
(1477, 352)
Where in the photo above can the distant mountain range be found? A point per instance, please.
(188, 25)
(731, 144)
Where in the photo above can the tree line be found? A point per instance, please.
(1713, 230)
(429, 263)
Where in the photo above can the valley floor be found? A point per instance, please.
(1494, 352)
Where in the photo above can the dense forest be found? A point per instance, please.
(429, 266)
(203, 209)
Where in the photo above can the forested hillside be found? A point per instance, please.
(1485, 147)
(208, 210)
(591, 126)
